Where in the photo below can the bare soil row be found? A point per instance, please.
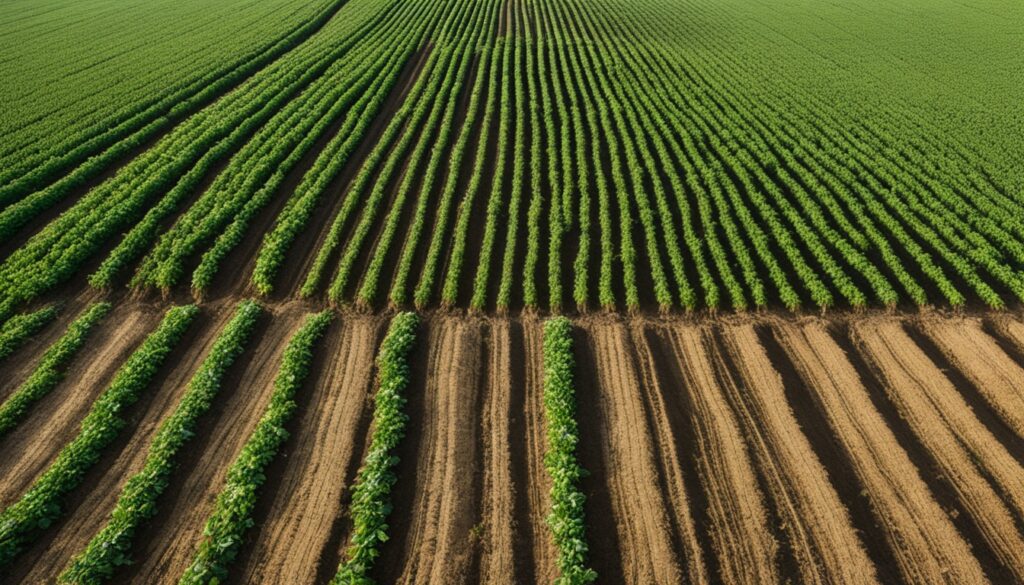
(876, 448)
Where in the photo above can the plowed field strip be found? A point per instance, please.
(927, 546)
(505, 531)
(18, 366)
(321, 461)
(626, 445)
(438, 523)
(32, 446)
(978, 357)
(1013, 331)
(817, 524)
(745, 545)
(970, 457)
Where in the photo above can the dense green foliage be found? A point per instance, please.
(18, 329)
(652, 155)
(371, 494)
(64, 113)
(566, 520)
(41, 506)
(111, 546)
(50, 370)
(232, 512)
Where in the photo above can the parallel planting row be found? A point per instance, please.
(232, 515)
(750, 450)
(501, 155)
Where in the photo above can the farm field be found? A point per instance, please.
(511, 291)
(745, 449)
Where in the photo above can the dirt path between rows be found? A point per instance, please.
(436, 531)
(321, 459)
(745, 547)
(969, 456)
(54, 421)
(762, 449)
(91, 504)
(617, 438)
(978, 357)
(927, 546)
(170, 540)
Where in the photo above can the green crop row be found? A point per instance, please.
(152, 96)
(567, 522)
(58, 251)
(19, 328)
(425, 115)
(424, 291)
(257, 171)
(111, 547)
(299, 208)
(50, 369)
(41, 506)
(371, 494)
(232, 512)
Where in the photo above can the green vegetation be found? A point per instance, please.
(371, 494)
(232, 512)
(64, 113)
(41, 506)
(111, 547)
(50, 370)
(567, 523)
(18, 329)
(649, 155)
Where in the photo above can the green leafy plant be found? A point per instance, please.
(371, 495)
(111, 546)
(232, 512)
(50, 370)
(19, 328)
(41, 506)
(566, 520)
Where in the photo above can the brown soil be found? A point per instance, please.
(977, 356)
(54, 421)
(740, 449)
(169, 543)
(969, 456)
(743, 543)
(536, 485)
(817, 525)
(18, 366)
(616, 430)
(437, 528)
(505, 534)
(321, 459)
(927, 546)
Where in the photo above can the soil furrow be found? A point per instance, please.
(89, 506)
(440, 521)
(329, 436)
(746, 548)
(961, 445)
(823, 540)
(978, 357)
(927, 547)
(608, 377)
(506, 544)
(528, 336)
(170, 540)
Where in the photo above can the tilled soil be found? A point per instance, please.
(762, 449)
